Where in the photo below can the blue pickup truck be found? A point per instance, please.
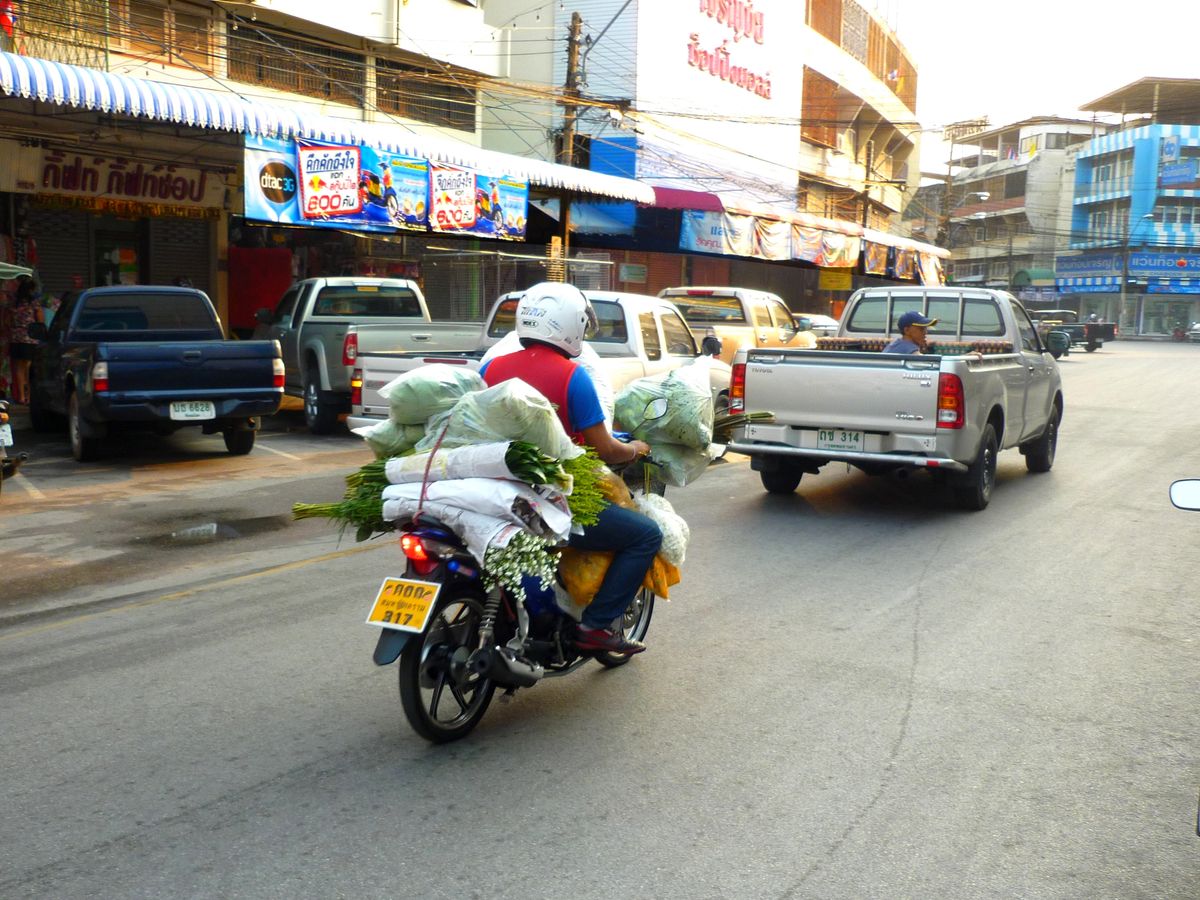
(135, 356)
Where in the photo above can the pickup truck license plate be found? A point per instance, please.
(837, 439)
(184, 410)
(403, 604)
(6, 436)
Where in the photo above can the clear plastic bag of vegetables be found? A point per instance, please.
(387, 438)
(418, 395)
(510, 411)
(688, 419)
(678, 465)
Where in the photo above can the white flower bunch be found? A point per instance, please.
(524, 554)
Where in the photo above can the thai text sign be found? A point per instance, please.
(329, 176)
(465, 201)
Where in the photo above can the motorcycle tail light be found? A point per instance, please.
(737, 389)
(350, 349)
(951, 405)
(100, 377)
(356, 383)
(278, 373)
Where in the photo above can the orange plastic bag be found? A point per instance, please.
(583, 571)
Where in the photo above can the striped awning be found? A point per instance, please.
(226, 110)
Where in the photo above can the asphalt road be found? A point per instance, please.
(855, 692)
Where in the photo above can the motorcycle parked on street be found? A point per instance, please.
(8, 464)
(457, 642)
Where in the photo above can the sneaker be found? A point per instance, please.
(606, 641)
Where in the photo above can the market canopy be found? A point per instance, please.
(109, 92)
(1033, 278)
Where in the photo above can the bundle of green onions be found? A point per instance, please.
(586, 499)
(723, 425)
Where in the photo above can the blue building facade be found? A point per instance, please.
(1135, 227)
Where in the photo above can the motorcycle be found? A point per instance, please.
(457, 642)
(8, 464)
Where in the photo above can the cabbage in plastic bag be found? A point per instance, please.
(509, 411)
(387, 438)
(688, 420)
(421, 393)
(679, 466)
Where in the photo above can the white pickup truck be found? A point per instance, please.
(988, 384)
(637, 335)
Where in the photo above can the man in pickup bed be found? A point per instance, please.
(913, 327)
(551, 321)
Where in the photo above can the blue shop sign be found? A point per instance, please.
(1087, 266)
(1164, 265)
(1178, 174)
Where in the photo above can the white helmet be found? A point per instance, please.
(555, 314)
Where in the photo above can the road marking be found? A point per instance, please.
(188, 592)
(280, 452)
(26, 485)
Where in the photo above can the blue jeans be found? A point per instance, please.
(634, 539)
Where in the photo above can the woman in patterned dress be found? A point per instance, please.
(25, 311)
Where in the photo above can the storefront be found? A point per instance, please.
(1162, 290)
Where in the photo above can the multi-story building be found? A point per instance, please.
(1135, 216)
(1002, 215)
(786, 111)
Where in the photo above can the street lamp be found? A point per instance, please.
(1122, 313)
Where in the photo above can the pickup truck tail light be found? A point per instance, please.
(350, 348)
(100, 377)
(356, 379)
(951, 406)
(278, 373)
(737, 389)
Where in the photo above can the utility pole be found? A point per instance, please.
(566, 154)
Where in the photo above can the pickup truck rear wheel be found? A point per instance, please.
(84, 449)
(238, 441)
(1094, 345)
(1039, 454)
(320, 415)
(783, 480)
(975, 489)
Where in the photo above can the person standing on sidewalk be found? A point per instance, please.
(26, 310)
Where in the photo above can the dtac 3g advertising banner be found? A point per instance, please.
(325, 185)
(464, 201)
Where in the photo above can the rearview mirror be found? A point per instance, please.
(1185, 494)
(262, 316)
(655, 409)
(804, 323)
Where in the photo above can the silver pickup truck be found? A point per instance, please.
(323, 323)
(989, 384)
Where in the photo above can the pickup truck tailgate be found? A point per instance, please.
(869, 392)
(190, 368)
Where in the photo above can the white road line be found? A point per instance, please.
(26, 485)
(262, 446)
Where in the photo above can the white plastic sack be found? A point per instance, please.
(479, 461)
(476, 530)
(588, 360)
(509, 411)
(421, 393)
(387, 438)
(675, 531)
(544, 513)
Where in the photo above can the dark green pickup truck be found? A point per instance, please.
(1090, 335)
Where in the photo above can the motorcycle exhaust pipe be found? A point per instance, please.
(502, 666)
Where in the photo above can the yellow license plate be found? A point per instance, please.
(403, 604)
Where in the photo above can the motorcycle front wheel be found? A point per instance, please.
(443, 699)
(634, 625)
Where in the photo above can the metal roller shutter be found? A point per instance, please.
(180, 248)
(62, 242)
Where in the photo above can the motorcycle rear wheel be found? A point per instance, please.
(442, 699)
(634, 625)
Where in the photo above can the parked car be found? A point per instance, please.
(990, 384)
(1090, 334)
(322, 324)
(131, 356)
(740, 318)
(819, 325)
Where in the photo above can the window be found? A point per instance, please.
(1029, 339)
(505, 318)
(165, 29)
(781, 316)
(714, 309)
(384, 301)
(444, 98)
(145, 311)
(819, 109)
(285, 308)
(679, 340)
(274, 58)
(650, 336)
(610, 323)
(762, 316)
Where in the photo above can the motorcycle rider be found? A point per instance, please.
(552, 320)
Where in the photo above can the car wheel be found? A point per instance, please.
(974, 492)
(238, 441)
(783, 480)
(1039, 454)
(319, 413)
(84, 449)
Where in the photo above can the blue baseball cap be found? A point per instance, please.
(915, 318)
